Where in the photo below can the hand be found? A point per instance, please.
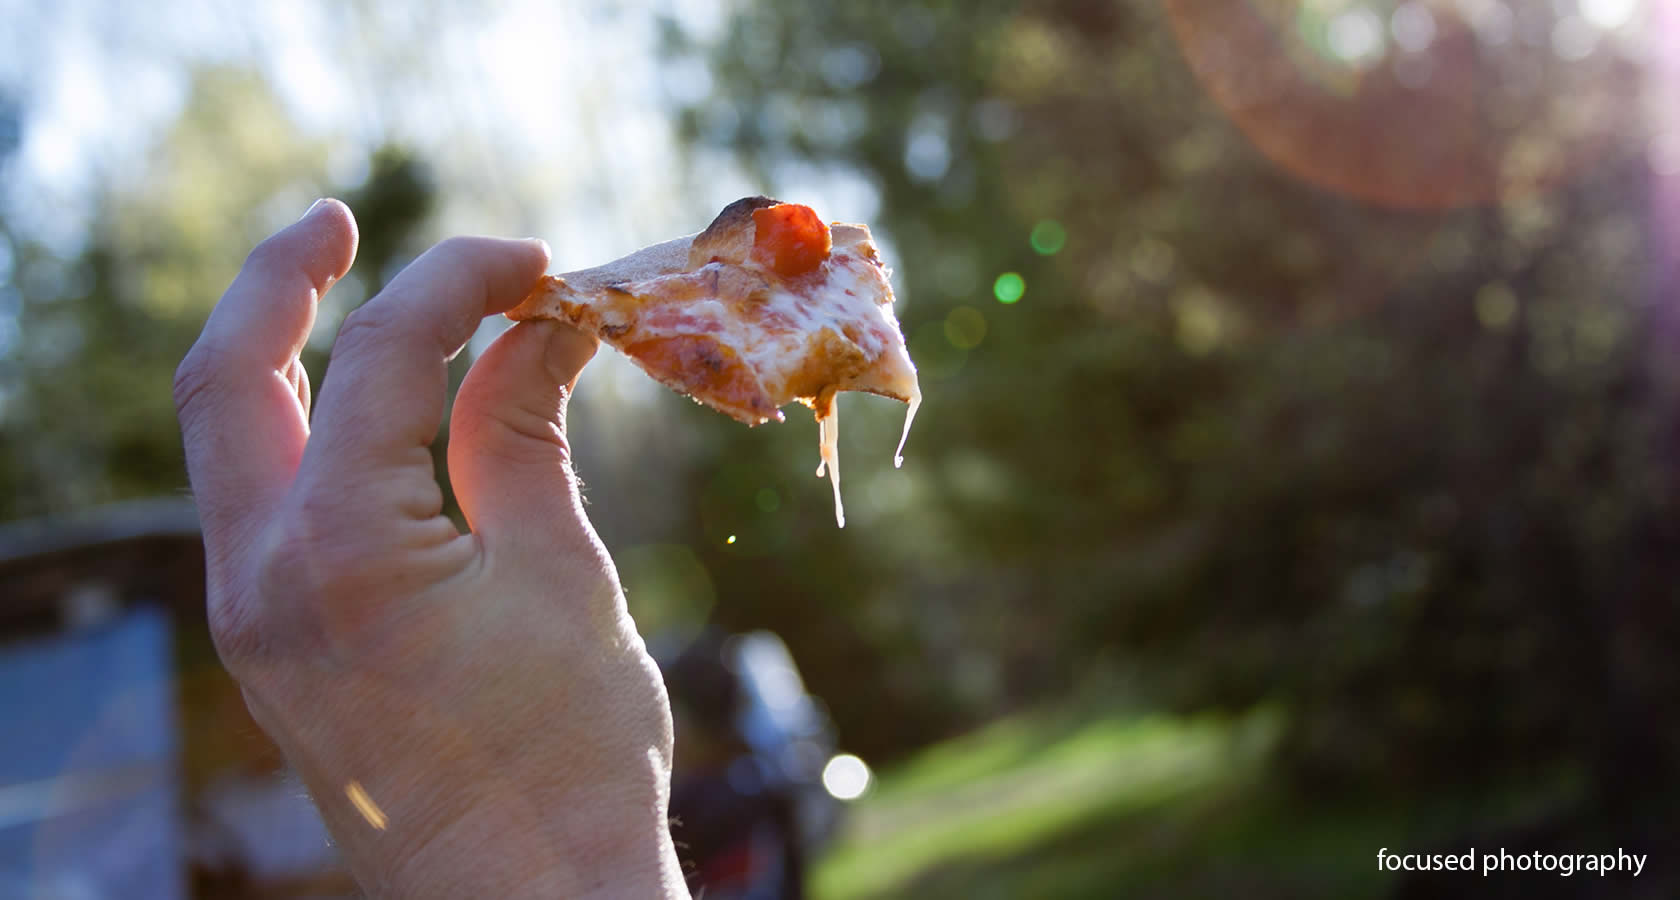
(474, 714)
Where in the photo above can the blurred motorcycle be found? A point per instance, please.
(757, 785)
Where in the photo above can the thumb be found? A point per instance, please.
(509, 460)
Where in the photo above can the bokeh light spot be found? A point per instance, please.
(965, 327)
(927, 149)
(1573, 39)
(936, 358)
(846, 777)
(1355, 36)
(1609, 14)
(850, 66)
(730, 539)
(1048, 237)
(1153, 259)
(1494, 22)
(1009, 287)
(1413, 27)
(1201, 321)
(1496, 306)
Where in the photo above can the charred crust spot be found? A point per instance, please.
(712, 362)
(614, 332)
(729, 238)
(735, 215)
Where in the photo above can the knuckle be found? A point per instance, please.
(234, 631)
(522, 433)
(363, 326)
(195, 384)
(236, 613)
(457, 248)
(267, 256)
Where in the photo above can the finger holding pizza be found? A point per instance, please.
(473, 713)
(442, 692)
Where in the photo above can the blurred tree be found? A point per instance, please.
(86, 411)
(1202, 398)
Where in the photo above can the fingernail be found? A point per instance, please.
(312, 208)
(542, 245)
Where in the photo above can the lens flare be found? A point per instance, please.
(364, 804)
(1431, 107)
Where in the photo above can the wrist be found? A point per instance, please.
(410, 835)
(591, 851)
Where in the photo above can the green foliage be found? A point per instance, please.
(1110, 804)
(86, 416)
(1410, 474)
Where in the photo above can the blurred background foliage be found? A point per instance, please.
(1257, 437)
(1309, 361)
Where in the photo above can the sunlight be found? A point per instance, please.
(1609, 14)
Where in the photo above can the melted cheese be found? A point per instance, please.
(850, 304)
(909, 417)
(746, 341)
(828, 447)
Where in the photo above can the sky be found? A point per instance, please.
(550, 118)
(510, 102)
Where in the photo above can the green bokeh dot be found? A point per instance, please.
(1009, 287)
(1048, 237)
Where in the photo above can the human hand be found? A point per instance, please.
(474, 714)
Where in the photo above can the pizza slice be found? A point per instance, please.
(766, 307)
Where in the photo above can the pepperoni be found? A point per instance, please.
(789, 239)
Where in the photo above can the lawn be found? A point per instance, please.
(1060, 805)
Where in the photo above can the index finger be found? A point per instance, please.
(383, 395)
(242, 426)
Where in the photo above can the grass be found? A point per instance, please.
(1048, 805)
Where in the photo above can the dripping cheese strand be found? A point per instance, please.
(829, 447)
(909, 416)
